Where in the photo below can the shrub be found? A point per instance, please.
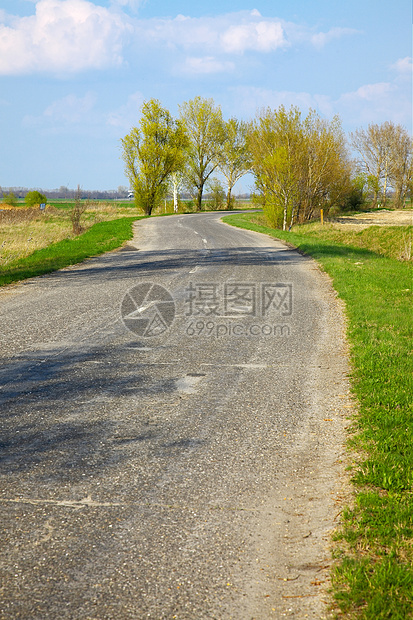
(217, 195)
(77, 211)
(9, 199)
(35, 198)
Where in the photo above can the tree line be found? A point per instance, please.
(63, 193)
(300, 164)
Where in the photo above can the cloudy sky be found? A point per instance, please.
(74, 73)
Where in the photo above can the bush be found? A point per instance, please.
(77, 211)
(353, 200)
(9, 199)
(216, 195)
(35, 198)
(334, 211)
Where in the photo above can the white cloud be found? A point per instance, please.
(132, 4)
(262, 36)
(62, 36)
(128, 114)
(227, 34)
(67, 36)
(370, 103)
(403, 66)
(382, 101)
(370, 92)
(84, 115)
(321, 39)
(71, 109)
(66, 112)
(205, 65)
(376, 103)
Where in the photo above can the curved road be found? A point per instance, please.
(183, 462)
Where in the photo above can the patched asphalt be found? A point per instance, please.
(184, 465)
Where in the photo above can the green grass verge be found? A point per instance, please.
(373, 577)
(101, 237)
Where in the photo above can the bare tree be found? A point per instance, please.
(401, 165)
(385, 158)
(326, 164)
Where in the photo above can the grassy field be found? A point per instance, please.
(22, 230)
(34, 242)
(373, 576)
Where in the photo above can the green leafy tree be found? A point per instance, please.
(300, 165)
(234, 159)
(152, 152)
(35, 198)
(205, 128)
(276, 144)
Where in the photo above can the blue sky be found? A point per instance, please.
(74, 73)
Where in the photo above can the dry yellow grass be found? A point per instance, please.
(24, 230)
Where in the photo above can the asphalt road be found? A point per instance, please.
(183, 461)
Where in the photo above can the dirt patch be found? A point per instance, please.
(376, 218)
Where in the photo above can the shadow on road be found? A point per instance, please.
(63, 412)
(122, 264)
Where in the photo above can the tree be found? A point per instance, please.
(177, 178)
(35, 198)
(205, 129)
(385, 158)
(353, 197)
(152, 153)
(176, 182)
(401, 165)
(123, 191)
(276, 144)
(299, 165)
(234, 159)
(326, 164)
(10, 199)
